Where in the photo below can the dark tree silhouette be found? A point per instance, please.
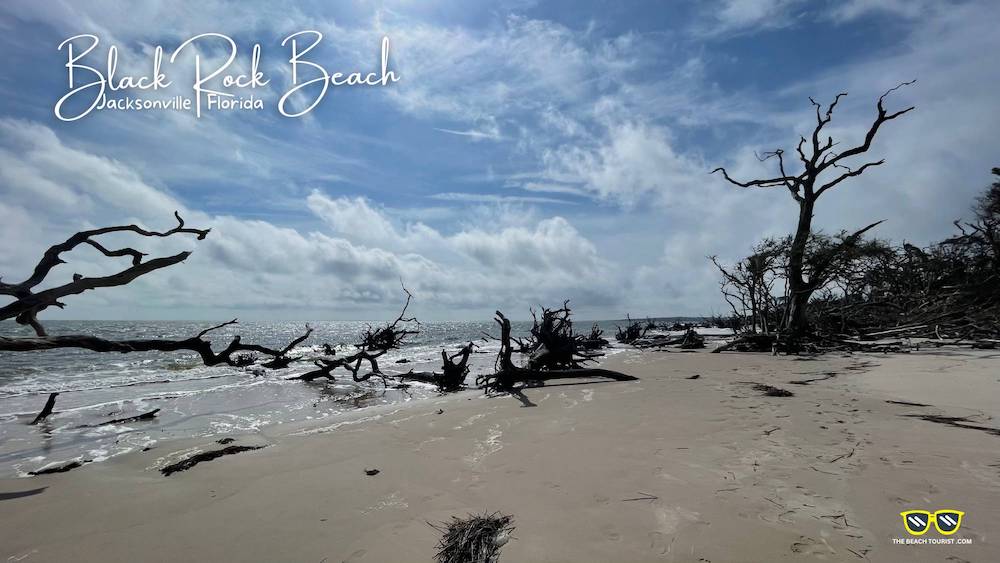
(819, 162)
(372, 344)
(508, 374)
(27, 303)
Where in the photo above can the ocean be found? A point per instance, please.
(196, 401)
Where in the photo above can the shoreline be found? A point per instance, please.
(331, 403)
(822, 474)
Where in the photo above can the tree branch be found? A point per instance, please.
(195, 344)
(880, 118)
(26, 306)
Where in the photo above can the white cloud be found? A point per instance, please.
(492, 198)
(853, 9)
(733, 16)
(473, 133)
(632, 162)
(255, 267)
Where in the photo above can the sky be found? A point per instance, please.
(531, 152)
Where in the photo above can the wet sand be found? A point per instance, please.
(662, 469)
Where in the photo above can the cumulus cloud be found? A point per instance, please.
(631, 162)
(259, 266)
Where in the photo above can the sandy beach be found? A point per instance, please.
(667, 468)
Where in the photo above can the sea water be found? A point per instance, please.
(196, 401)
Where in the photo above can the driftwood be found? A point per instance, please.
(372, 344)
(689, 340)
(452, 376)
(749, 343)
(60, 468)
(507, 374)
(634, 330)
(137, 418)
(47, 409)
(692, 340)
(553, 344)
(595, 340)
(956, 421)
(28, 304)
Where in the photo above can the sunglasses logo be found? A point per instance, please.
(917, 522)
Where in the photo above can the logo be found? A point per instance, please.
(917, 522)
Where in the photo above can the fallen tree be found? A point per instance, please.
(553, 344)
(690, 339)
(452, 376)
(507, 374)
(27, 303)
(595, 340)
(634, 330)
(373, 343)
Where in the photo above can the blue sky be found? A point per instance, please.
(531, 152)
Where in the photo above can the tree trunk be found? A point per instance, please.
(799, 291)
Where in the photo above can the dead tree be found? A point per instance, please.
(28, 303)
(373, 343)
(817, 157)
(554, 345)
(634, 330)
(595, 340)
(507, 374)
(748, 286)
(452, 376)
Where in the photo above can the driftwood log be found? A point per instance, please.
(47, 409)
(689, 340)
(508, 374)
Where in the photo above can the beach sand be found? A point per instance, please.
(731, 474)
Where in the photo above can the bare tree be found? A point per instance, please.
(28, 303)
(748, 286)
(817, 158)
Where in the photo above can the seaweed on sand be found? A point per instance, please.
(771, 391)
(188, 463)
(476, 539)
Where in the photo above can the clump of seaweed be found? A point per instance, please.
(476, 539)
(188, 463)
(771, 391)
